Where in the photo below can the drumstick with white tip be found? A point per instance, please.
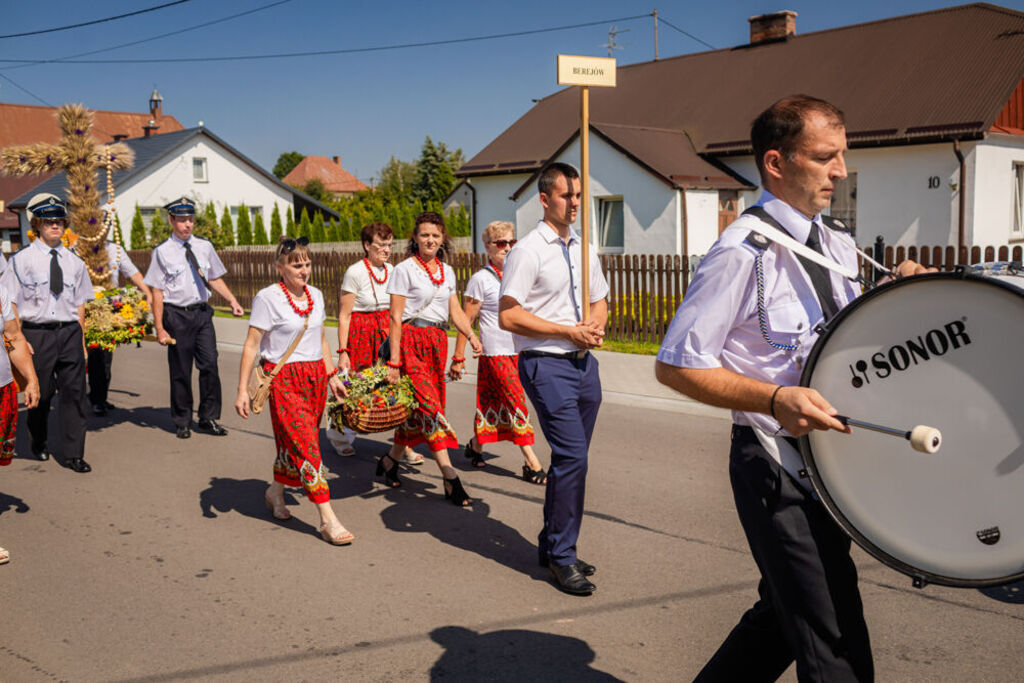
(922, 437)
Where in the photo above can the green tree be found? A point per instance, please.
(289, 226)
(333, 231)
(259, 231)
(138, 233)
(275, 225)
(316, 189)
(305, 226)
(318, 233)
(397, 178)
(286, 162)
(158, 230)
(435, 171)
(244, 225)
(206, 224)
(227, 229)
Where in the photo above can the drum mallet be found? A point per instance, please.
(922, 437)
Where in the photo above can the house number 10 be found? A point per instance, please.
(933, 182)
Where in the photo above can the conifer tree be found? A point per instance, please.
(275, 225)
(244, 226)
(305, 225)
(289, 226)
(138, 234)
(158, 230)
(227, 228)
(206, 224)
(318, 233)
(259, 232)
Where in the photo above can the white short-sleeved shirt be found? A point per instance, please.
(27, 281)
(170, 271)
(272, 313)
(6, 313)
(717, 323)
(485, 286)
(538, 275)
(370, 296)
(120, 263)
(3, 264)
(410, 280)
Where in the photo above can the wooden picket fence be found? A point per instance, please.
(645, 289)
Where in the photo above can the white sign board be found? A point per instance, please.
(576, 70)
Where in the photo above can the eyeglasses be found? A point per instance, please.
(501, 244)
(288, 245)
(52, 221)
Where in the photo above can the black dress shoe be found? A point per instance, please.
(109, 406)
(79, 465)
(585, 568)
(570, 580)
(211, 427)
(41, 453)
(99, 410)
(183, 432)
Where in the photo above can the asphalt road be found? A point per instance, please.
(163, 564)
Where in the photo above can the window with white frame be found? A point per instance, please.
(610, 225)
(1017, 228)
(199, 170)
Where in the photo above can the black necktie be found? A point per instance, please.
(191, 258)
(56, 274)
(819, 276)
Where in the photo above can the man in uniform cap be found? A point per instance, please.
(50, 285)
(182, 273)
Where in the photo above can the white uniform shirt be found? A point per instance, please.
(537, 275)
(3, 263)
(410, 280)
(717, 323)
(27, 281)
(485, 286)
(370, 296)
(120, 264)
(6, 313)
(272, 313)
(170, 271)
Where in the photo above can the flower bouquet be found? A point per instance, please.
(372, 405)
(115, 317)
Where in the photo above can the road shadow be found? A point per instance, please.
(513, 655)
(246, 497)
(1012, 593)
(12, 503)
(158, 417)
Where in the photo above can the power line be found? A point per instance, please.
(688, 35)
(95, 21)
(146, 40)
(24, 89)
(318, 53)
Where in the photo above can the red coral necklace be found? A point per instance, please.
(373, 275)
(496, 269)
(291, 302)
(440, 269)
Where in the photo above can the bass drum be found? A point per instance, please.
(944, 350)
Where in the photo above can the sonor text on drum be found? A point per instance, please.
(900, 357)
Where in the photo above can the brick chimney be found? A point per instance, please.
(336, 160)
(774, 26)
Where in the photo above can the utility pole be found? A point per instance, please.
(655, 15)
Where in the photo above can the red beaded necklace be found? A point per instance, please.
(288, 295)
(496, 269)
(369, 270)
(440, 269)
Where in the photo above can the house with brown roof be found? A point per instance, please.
(25, 124)
(338, 181)
(934, 106)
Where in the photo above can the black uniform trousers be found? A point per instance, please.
(809, 608)
(192, 329)
(59, 362)
(99, 375)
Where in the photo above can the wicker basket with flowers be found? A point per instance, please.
(116, 317)
(372, 405)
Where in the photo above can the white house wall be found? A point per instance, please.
(991, 213)
(493, 203)
(702, 219)
(230, 182)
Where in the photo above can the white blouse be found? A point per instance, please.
(272, 313)
(484, 286)
(423, 298)
(370, 296)
(6, 313)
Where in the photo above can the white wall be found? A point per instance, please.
(991, 214)
(701, 219)
(493, 203)
(230, 182)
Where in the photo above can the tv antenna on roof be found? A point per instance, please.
(613, 32)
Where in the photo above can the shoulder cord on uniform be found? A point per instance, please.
(762, 318)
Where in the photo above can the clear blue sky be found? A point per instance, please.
(364, 107)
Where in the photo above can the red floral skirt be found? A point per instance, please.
(8, 421)
(366, 332)
(501, 410)
(424, 352)
(297, 398)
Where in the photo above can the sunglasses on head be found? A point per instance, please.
(288, 245)
(501, 244)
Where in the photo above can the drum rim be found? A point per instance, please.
(919, 576)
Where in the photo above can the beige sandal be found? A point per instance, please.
(344, 538)
(5, 555)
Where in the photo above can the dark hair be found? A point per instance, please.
(779, 126)
(552, 172)
(435, 219)
(382, 230)
(296, 250)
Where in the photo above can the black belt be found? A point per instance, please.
(421, 322)
(191, 307)
(571, 355)
(55, 325)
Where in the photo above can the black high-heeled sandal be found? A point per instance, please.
(477, 457)
(457, 495)
(537, 476)
(390, 474)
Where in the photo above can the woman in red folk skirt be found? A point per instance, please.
(287, 325)
(501, 410)
(363, 318)
(15, 352)
(423, 295)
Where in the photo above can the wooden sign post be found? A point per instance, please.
(585, 72)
